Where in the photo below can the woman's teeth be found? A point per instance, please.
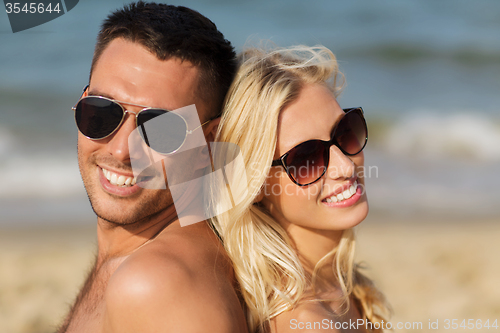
(344, 195)
(119, 180)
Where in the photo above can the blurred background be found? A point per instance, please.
(427, 74)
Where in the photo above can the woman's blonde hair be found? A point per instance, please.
(270, 274)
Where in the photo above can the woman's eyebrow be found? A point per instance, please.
(337, 121)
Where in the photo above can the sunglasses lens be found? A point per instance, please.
(97, 117)
(351, 133)
(306, 163)
(165, 134)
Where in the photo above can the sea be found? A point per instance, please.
(426, 72)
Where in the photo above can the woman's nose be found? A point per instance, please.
(340, 165)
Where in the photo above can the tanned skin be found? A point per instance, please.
(150, 274)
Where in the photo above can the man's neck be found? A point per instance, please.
(120, 240)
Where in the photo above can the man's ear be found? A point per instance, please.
(85, 92)
(211, 129)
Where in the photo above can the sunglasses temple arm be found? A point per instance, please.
(164, 172)
(194, 129)
(279, 162)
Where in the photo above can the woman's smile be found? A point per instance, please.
(320, 205)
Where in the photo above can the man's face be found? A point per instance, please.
(128, 72)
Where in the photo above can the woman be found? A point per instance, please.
(289, 234)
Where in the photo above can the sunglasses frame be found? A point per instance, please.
(145, 108)
(332, 142)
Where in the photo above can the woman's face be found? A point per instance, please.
(313, 115)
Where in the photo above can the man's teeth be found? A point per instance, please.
(119, 180)
(344, 195)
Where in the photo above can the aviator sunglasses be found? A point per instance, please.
(307, 162)
(98, 117)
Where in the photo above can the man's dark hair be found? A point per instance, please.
(174, 31)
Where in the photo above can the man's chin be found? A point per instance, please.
(126, 213)
(114, 219)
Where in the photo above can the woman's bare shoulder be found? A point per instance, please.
(308, 317)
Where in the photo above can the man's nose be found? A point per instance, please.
(340, 166)
(118, 144)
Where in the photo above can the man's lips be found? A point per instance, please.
(117, 182)
(117, 190)
(118, 179)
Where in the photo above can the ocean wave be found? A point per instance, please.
(426, 134)
(445, 187)
(401, 52)
(37, 170)
(45, 174)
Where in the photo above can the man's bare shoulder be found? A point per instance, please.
(180, 282)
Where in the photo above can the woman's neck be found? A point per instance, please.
(312, 245)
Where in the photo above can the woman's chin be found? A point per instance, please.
(352, 217)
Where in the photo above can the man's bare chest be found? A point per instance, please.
(88, 312)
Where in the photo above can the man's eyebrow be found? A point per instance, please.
(97, 93)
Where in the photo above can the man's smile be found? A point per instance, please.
(119, 180)
(117, 184)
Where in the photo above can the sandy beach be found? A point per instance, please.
(430, 270)
(41, 272)
(435, 270)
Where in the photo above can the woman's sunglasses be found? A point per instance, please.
(307, 162)
(98, 117)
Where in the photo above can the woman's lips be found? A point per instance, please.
(342, 192)
(346, 198)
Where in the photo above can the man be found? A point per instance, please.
(150, 274)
